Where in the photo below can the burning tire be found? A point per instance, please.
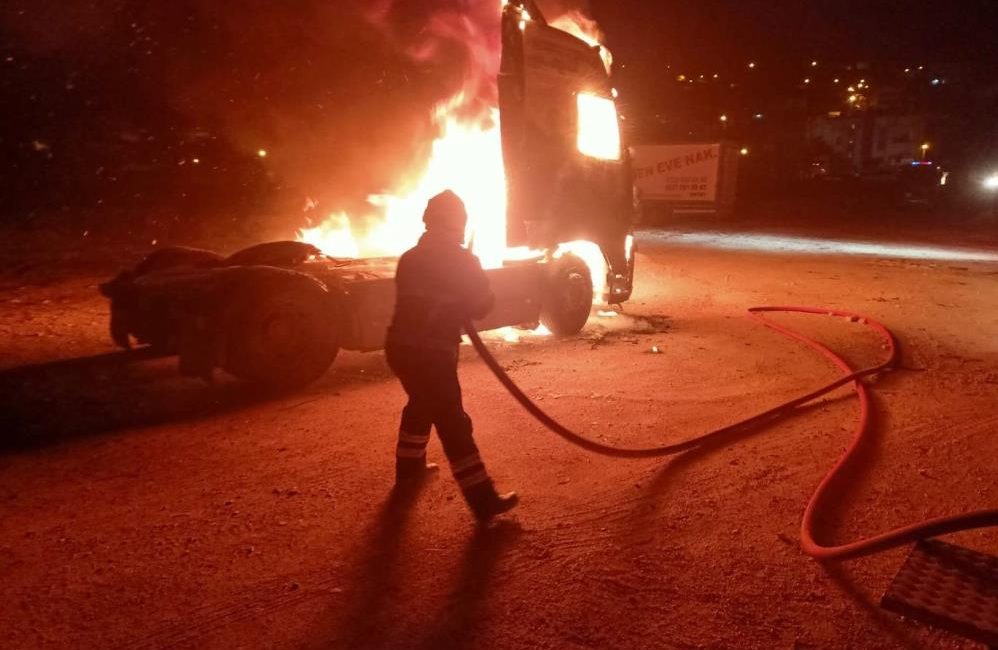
(568, 296)
(281, 332)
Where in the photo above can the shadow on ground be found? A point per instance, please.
(454, 626)
(48, 403)
(371, 620)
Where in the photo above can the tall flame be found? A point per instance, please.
(466, 157)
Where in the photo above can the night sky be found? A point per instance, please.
(335, 94)
(713, 36)
(716, 34)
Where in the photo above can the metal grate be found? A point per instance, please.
(950, 587)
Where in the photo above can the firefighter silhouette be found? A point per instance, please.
(439, 286)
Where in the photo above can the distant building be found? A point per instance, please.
(866, 142)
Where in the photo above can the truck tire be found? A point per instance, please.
(568, 296)
(281, 331)
(131, 317)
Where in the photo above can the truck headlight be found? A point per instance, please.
(599, 132)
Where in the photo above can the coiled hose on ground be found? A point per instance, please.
(866, 546)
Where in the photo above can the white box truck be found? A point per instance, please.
(684, 178)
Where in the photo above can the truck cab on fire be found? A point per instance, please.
(277, 313)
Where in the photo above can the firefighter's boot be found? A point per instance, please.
(411, 468)
(410, 473)
(486, 503)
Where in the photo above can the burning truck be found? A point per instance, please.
(550, 201)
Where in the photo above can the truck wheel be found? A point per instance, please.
(568, 296)
(281, 333)
(144, 320)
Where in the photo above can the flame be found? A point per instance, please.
(593, 257)
(466, 157)
(585, 29)
(333, 237)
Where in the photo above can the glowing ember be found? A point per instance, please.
(512, 334)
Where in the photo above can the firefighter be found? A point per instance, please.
(439, 285)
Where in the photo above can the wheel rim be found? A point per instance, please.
(568, 297)
(578, 294)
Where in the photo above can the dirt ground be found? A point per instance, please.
(142, 510)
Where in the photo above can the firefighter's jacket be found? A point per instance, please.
(439, 284)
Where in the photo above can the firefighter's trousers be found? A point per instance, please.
(429, 377)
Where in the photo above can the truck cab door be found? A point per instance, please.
(567, 170)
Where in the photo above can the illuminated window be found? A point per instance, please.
(599, 133)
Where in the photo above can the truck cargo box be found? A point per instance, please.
(691, 178)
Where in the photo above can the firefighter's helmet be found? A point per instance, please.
(445, 211)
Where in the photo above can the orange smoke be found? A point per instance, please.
(466, 155)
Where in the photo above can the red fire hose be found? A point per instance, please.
(867, 546)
